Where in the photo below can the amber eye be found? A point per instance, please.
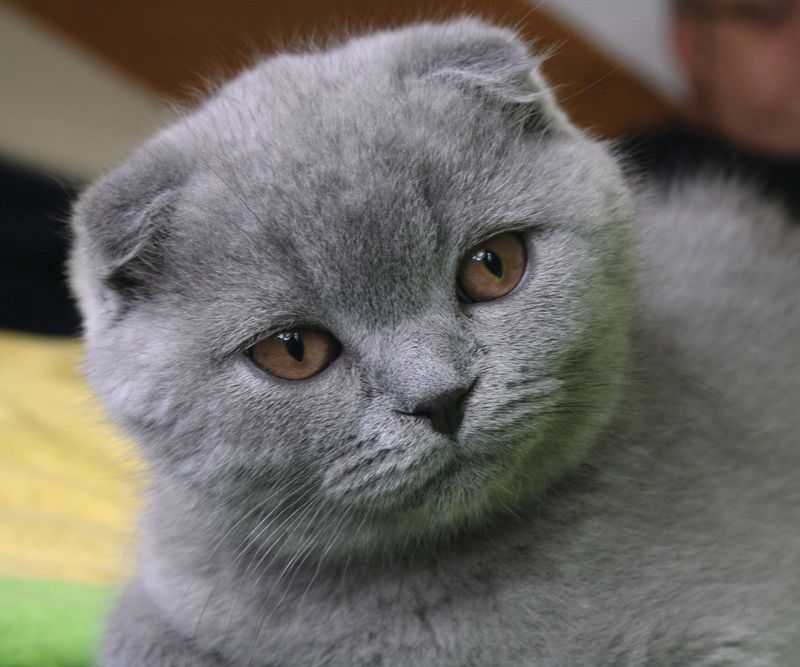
(492, 269)
(295, 355)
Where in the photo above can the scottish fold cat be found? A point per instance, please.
(421, 382)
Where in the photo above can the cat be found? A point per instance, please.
(422, 378)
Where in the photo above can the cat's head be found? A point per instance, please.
(379, 291)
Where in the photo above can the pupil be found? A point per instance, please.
(493, 263)
(294, 345)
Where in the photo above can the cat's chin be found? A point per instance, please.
(461, 491)
(455, 502)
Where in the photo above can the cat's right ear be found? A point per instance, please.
(120, 227)
(487, 60)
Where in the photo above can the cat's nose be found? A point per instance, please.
(445, 409)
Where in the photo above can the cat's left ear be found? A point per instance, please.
(486, 60)
(120, 226)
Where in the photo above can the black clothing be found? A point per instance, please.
(34, 209)
(679, 150)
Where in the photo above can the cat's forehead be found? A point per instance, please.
(352, 221)
(368, 200)
(343, 140)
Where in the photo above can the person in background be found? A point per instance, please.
(742, 62)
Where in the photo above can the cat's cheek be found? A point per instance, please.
(303, 417)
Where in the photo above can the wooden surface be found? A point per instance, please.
(176, 45)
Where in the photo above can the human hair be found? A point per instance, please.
(697, 7)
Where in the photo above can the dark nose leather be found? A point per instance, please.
(445, 410)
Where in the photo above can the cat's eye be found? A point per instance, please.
(492, 268)
(295, 355)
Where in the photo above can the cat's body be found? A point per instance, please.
(622, 490)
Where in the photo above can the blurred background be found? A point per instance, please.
(96, 74)
(83, 81)
(677, 83)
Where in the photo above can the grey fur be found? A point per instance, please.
(622, 490)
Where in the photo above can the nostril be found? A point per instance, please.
(421, 413)
(462, 399)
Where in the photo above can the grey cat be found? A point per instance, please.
(420, 382)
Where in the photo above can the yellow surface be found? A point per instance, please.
(69, 484)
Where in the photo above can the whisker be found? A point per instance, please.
(302, 553)
(273, 542)
(238, 550)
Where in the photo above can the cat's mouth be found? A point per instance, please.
(443, 481)
(392, 472)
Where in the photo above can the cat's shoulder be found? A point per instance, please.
(718, 269)
(711, 226)
(714, 252)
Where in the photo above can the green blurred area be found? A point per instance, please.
(50, 623)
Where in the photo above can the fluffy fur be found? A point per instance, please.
(622, 490)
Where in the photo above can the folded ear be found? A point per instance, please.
(119, 227)
(488, 60)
